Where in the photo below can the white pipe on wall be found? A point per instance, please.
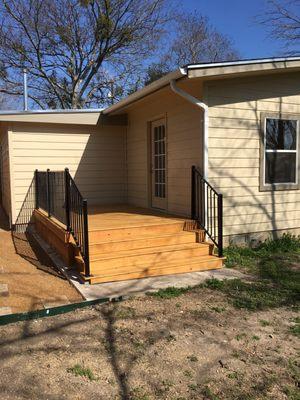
(204, 107)
(25, 94)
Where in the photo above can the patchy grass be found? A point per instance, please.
(124, 312)
(218, 309)
(241, 336)
(256, 295)
(264, 323)
(79, 370)
(287, 245)
(169, 292)
(276, 266)
(192, 358)
(208, 393)
(295, 329)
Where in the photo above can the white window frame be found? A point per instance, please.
(278, 186)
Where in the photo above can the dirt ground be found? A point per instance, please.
(31, 278)
(195, 346)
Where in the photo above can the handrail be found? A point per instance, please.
(58, 195)
(207, 208)
(77, 218)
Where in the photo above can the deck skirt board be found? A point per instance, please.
(128, 243)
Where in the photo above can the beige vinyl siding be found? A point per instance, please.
(94, 155)
(235, 107)
(184, 144)
(6, 198)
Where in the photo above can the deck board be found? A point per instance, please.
(126, 216)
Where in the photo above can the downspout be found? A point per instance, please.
(203, 107)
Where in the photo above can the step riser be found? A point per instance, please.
(184, 268)
(98, 249)
(135, 233)
(146, 260)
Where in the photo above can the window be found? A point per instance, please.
(279, 158)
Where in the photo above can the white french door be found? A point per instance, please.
(159, 164)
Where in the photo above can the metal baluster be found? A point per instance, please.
(67, 198)
(220, 225)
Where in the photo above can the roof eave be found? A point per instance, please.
(152, 87)
(242, 68)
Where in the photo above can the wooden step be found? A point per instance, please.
(202, 263)
(139, 243)
(139, 231)
(146, 258)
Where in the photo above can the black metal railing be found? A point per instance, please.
(58, 195)
(76, 213)
(207, 209)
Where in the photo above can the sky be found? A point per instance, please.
(236, 18)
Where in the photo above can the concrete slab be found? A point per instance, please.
(139, 286)
(4, 290)
(123, 289)
(5, 311)
(58, 301)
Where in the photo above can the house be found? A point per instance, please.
(208, 154)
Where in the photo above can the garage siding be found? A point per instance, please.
(6, 195)
(94, 155)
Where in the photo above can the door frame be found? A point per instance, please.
(149, 159)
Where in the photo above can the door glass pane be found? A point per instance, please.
(280, 168)
(281, 134)
(159, 161)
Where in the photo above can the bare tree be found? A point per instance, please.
(195, 40)
(282, 18)
(78, 53)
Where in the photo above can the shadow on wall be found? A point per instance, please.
(265, 207)
(100, 171)
(4, 222)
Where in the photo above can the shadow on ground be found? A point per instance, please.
(28, 248)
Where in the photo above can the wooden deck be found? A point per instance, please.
(124, 216)
(128, 242)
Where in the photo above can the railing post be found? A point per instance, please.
(48, 192)
(220, 225)
(67, 198)
(193, 194)
(86, 239)
(36, 189)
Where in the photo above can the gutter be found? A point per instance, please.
(203, 107)
(241, 62)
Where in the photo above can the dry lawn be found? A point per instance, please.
(193, 346)
(30, 275)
